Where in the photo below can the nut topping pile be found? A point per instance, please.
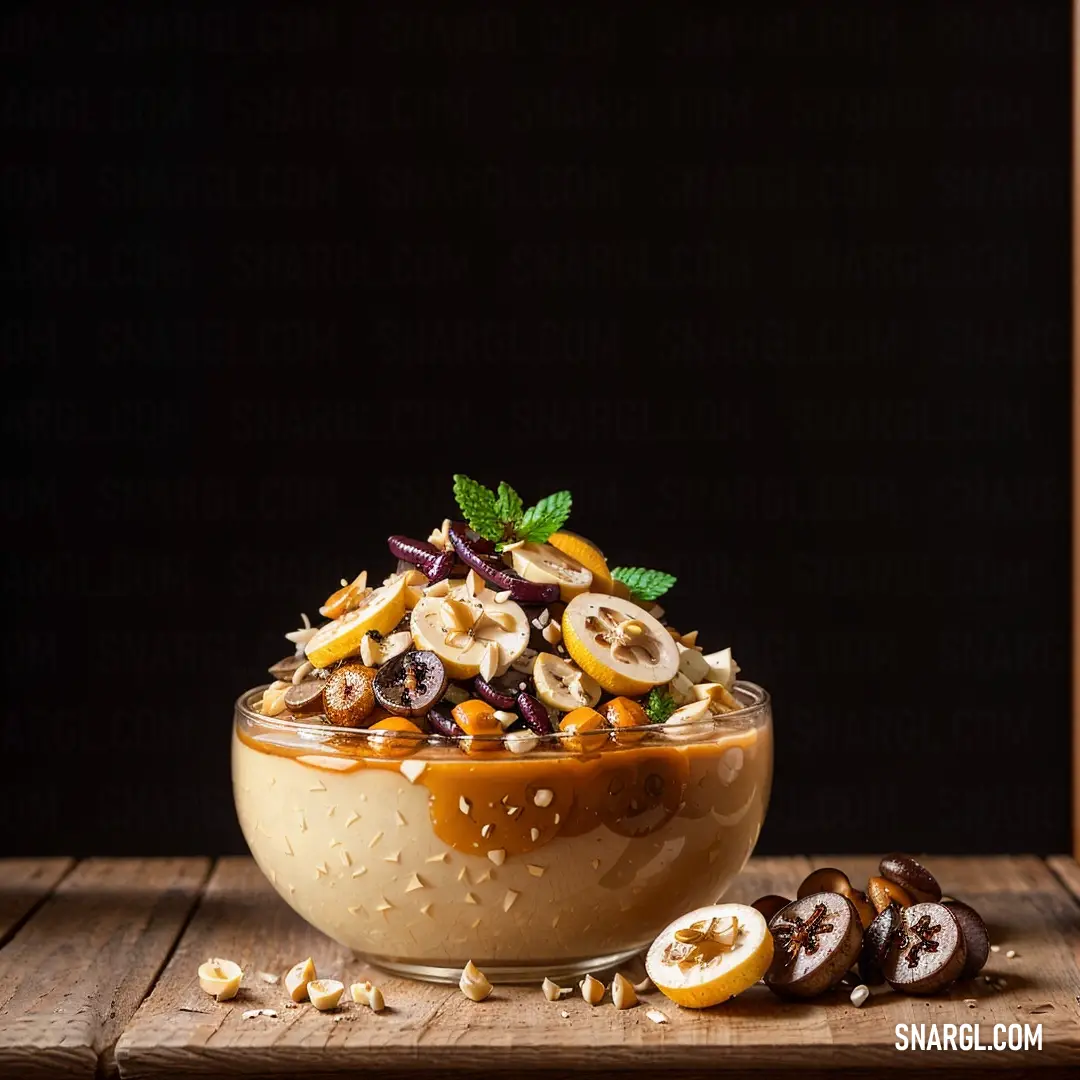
(500, 628)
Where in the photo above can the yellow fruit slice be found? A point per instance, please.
(563, 686)
(590, 556)
(545, 563)
(619, 644)
(381, 610)
(721, 950)
(471, 635)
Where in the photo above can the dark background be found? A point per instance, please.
(780, 293)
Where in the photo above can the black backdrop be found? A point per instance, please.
(780, 293)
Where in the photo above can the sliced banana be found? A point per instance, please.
(548, 565)
(468, 633)
(380, 610)
(562, 685)
(619, 644)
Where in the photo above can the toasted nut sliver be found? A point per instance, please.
(622, 992)
(298, 978)
(474, 983)
(325, 994)
(497, 856)
(366, 994)
(220, 978)
(502, 597)
(552, 633)
(592, 990)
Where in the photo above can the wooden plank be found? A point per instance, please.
(74, 975)
(24, 883)
(1068, 872)
(433, 1029)
(1076, 435)
(425, 1027)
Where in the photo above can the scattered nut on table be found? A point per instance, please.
(325, 994)
(298, 978)
(592, 990)
(859, 995)
(366, 993)
(553, 991)
(474, 983)
(622, 992)
(220, 978)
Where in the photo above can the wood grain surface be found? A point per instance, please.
(24, 883)
(74, 975)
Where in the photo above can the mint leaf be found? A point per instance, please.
(479, 505)
(644, 585)
(659, 706)
(508, 504)
(545, 518)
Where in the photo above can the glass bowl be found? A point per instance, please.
(556, 862)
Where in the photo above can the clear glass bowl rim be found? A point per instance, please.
(755, 711)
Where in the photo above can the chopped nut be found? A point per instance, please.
(534, 833)
(505, 719)
(543, 797)
(592, 990)
(859, 995)
(1011, 954)
(995, 948)
(267, 977)
(367, 994)
(489, 662)
(474, 983)
(502, 597)
(536, 871)
(552, 991)
(487, 830)
(325, 994)
(622, 992)
(412, 769)
(521, 742)
(552, 633)
(474, 583)
(220, 978)
(656, 1016)
(464, 805)
(497, 856)
(250, 1014)
(509, 898)
(298, 978)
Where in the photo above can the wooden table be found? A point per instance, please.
(98, 977)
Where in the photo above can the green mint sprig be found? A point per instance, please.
(659, 706)
(644, 585)
(501, 516)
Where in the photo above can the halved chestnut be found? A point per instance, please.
(410, 683)
(882, 892)
(306, 698)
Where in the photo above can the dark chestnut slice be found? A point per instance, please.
(410, 683)
(427, 558)
(286, 669)
(881, 892)
(927, 951)
(442, 723)
(876, 940)
(486, 692)
(534, 714)
(817, 940)
(976, 936)
(306, 698)
(769, 905)
(494, 571)
(910, 874)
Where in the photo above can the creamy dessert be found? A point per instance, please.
(502, 753)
